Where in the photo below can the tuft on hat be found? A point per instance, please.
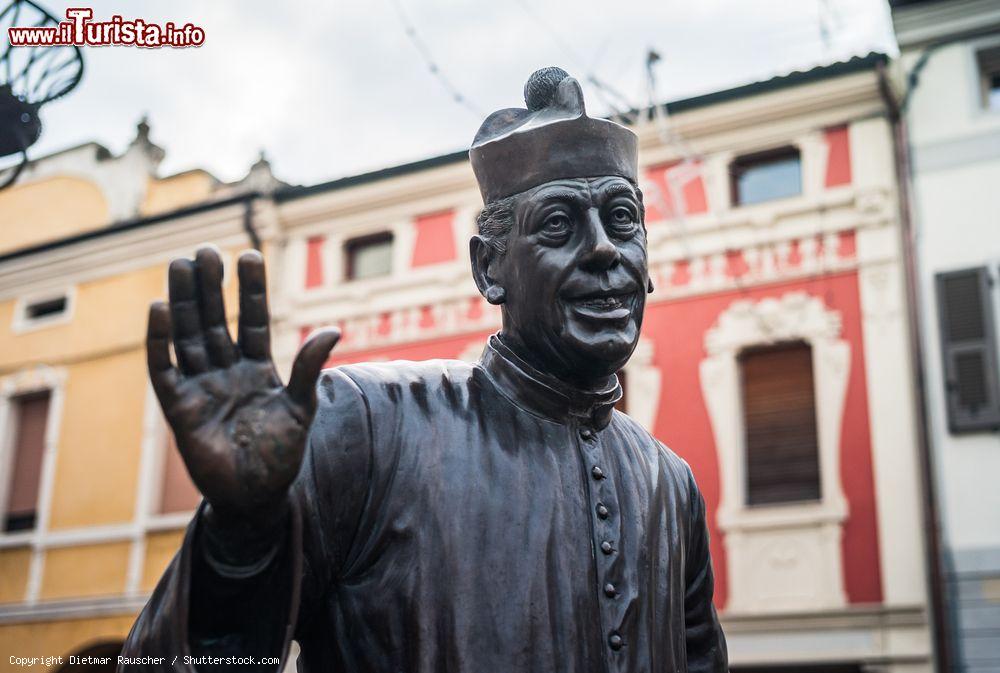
(553, 139)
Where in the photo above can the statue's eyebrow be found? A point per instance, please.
(561, 194)
(616, 189)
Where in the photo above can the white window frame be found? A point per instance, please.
(24, 323)
(26, 382)
(763, 542)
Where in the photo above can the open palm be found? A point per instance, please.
(241, 432)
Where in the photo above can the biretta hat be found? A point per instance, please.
(553, 139)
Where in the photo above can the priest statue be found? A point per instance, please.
(425, 517)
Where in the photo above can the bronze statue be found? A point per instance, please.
(443, 516)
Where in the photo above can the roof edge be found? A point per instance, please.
(127, 225)
(819, 73)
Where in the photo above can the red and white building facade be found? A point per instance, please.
(831, 582)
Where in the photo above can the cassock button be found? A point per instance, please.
(597, 472)
(606, 547)
(609, 590)
(615, 641)
(602, 511)
(586, 433)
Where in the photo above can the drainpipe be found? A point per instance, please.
(931, 515)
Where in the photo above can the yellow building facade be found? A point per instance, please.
(94, 500)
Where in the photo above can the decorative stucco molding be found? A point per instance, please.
(642, 385)
(780, 557)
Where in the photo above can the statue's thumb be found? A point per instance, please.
(308, 364)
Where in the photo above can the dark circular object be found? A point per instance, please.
(19, 122)
(541, 87)
(609, 590)
(615, 641)
(30, 77)
(606, 547)
(602, 511)
(597, 472)
(586, 433)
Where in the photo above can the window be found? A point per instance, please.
(968, 345)
(369, 257)
(30, 415)
(989, 77)
(177, 492)
(779, 411)
(766, 176)
(41, 311)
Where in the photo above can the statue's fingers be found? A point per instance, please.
(254, 331)
(307, 366)
(162, 373)
(218, 343)
(189, 342)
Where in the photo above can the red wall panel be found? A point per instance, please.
(659, 200)
(838, 158)
(435, 239)
(314, 261)
(678, 329)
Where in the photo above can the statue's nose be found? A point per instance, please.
(601, 252)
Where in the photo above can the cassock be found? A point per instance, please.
(461, 518)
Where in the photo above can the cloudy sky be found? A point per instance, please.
(336, 88)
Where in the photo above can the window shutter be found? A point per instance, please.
(968, 345)
(31, 413)
(779, 407)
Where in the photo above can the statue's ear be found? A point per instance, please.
(481, 253)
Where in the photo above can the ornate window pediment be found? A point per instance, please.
(769, 544)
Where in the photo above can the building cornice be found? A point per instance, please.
(128, 246)
(841, 91)
(821, 103)
(87, 608)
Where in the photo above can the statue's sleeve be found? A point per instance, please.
(706, 644)
(202, 618)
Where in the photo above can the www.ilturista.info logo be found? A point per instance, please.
(79, 30)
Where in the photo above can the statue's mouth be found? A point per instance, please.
(603, 305)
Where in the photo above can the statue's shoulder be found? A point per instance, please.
(394, 380)
(664, 456)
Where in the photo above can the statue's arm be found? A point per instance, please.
(207, 606)
(235, 587)
(706, 644)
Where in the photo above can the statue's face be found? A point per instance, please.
(575, 275)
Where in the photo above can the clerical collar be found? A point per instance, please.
(545, 394)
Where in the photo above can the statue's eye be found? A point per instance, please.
(556, 225)
(623, 221)
(621, 215)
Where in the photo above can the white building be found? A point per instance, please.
(950, 59)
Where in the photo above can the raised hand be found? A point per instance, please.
(242, 434)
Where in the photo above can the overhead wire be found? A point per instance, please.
(603, 90)
(414, 36)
